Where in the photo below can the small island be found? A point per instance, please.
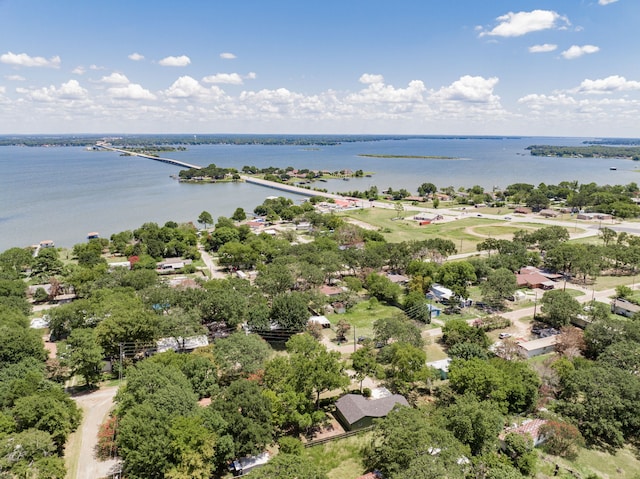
(593, 151)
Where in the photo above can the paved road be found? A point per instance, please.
(95, 408)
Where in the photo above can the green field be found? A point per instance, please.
(340, 458)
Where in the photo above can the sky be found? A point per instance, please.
(414, 67)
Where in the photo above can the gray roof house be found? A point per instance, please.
(357, 412)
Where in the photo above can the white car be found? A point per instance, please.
(504, 335)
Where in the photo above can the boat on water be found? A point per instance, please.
(613, 168)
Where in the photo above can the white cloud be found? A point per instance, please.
(228, 78)
(468, 88)
(227, 56)
(136, 57)
(520, 23)
(611, 84)
(15, 78)
(181, 61)
(95, 67)
(544, 48)
(187, 87)
(606, 2)
(132, 91)
(70, 90)
(24, 60)
(79, 70)
(115, 79)
(368, 79)
(3, 90)
(576, 51)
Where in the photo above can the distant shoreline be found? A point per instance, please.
(416, 157)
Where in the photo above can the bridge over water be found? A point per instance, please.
(170, 161)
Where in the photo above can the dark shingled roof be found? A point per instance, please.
(354, 407)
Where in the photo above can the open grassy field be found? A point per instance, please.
(340, 458)
(623, 465)
(462, 232)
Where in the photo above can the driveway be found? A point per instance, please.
(80, 453)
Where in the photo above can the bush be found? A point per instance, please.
(291, 445)
(366, 392)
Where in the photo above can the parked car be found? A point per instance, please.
(504, 335)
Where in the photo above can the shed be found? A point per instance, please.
(442, 366)
(549, 213)
(244, 465)
(357, 412)
(321, 320)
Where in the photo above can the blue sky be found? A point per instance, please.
(494, 67)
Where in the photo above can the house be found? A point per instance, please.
(400, 279)
(624, 307)
(548, 213)
(172, 264)
(93, 235)
(444, 295)
(533, 278)
(357, 412)
(119, 264)
(64, 298)
(331, 291)
(434, 311)
(585, 216)
(244, 465)
(530, 428)
(522, 210)
(47, 244)
(537, 347)
(181, 344)
(439, 293)
(321, 320)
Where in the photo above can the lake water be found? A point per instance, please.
(63, 193)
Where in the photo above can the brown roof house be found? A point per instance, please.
(357, 412)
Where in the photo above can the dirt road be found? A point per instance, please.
(80, 456)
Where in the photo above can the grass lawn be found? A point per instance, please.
(362, 316)
(340, 458)
(396, 231)
(434, 352)
(623, 465)
(610, 282)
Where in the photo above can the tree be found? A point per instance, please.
(53, 412)
(561, 439)
(290, 311)
(457, 275)
(500, 284)
(247, 413)
(512, 385)
(240, 355)
(457, 331)
(416, 307)
(382, 288)
(407, 435)
(363, 362)
(317, 370)
(31, 453)
(475, 423)
(239, 215)
(520, 450)
(342, 328)
(205, 219)
(426, 189)
(192, 449)
(398, 328)
(288, 466)
(407, 365)
(84, 355)
(559, 308)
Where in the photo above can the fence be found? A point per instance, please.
(324, 440)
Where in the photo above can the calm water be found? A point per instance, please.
(63, 193)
